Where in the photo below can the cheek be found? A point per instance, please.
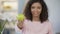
(39, 10)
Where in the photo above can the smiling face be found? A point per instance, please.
(36, 9)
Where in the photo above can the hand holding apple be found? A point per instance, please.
(20, 17)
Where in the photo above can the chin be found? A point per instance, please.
(36, 15)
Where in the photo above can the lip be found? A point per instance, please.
(35, 13)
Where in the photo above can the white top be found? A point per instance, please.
(35, 27)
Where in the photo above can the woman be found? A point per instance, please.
(36, 21)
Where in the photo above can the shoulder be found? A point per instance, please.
(49, 23)
(26, 21)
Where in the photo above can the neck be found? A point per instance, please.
(36, 19)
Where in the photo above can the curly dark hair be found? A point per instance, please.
(44, 13)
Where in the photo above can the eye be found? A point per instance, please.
(32, 7)
(39, 7)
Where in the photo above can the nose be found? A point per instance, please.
(35, 9)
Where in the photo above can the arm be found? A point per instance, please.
(50, 30)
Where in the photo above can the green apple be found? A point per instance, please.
(20, 17)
